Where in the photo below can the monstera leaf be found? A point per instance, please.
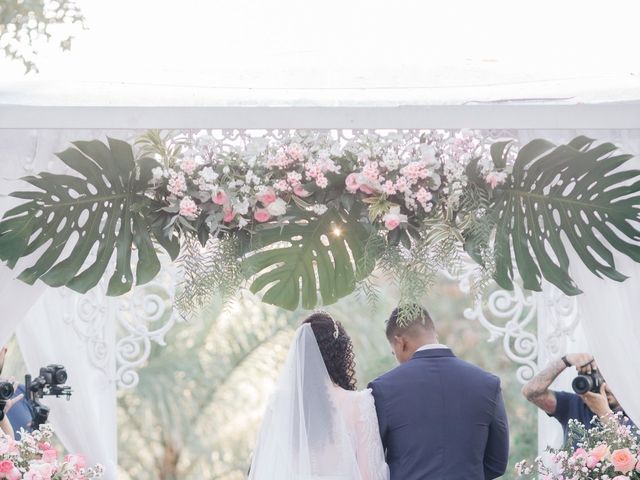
(308, 255)
(103, 208)
(576, 191)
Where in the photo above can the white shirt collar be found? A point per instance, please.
(431, 346)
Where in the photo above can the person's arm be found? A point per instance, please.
(369, 452)
(496, 454)
(5, 424)
(537, 390)
(599, 404)
(382, 418)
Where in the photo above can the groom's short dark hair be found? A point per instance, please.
(405, 318)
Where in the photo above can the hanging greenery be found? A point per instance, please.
(307, 217)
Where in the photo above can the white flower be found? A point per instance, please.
(242, 207)
(157, 173)
(277, 207)
(242, 222)
(208, 175)
(319, 209)
(226, 170)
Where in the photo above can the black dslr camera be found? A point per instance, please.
(6, 393)
(51, 381)
(588, 382)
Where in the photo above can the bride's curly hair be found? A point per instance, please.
(337, 353)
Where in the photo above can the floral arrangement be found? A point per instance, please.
(262, 182)
(305, 217)
(33, 458)
(610, 450)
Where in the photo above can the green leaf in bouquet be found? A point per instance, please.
(577, 191)
(103, 210)
(311, 255)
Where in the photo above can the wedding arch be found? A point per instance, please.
(490, 192)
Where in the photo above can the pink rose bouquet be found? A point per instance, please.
(610, 450)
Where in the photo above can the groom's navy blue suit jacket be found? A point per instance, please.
(442, 418)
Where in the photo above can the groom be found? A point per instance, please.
(440, 417)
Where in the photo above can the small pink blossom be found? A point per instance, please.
(389, 188)
(188, 165)
(352, 183)
(76, 461)
(300, 191)
(423, 196)
(229, 214)
(177, 185)
(220, 197)
(267, 196)
(49, 455)
(281, 185)
(188, 208)
(402, 184)
(262, 215)
(494, 179)
(322, 181)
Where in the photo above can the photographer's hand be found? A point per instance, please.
(598, 402)
(583, 362)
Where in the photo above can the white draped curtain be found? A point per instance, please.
(87, 423)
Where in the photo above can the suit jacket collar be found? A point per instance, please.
(433, 353)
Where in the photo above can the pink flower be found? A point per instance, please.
(494, 179)
(188, 208)
(229, 214)
(322, 181)
(389, 188)
(76, 461)
(219, 198)
(49, 455)
(402, 184)
(423, 196)
(394, 218)
(623, 461)
(300, 192)
(267, 196)
(14, 474)
(599, 452)
(592, 461)
(177, 185)
(352, 182)
(580, 453)
(281, 185)
(261, 215)
(6, 466)
(188, 165)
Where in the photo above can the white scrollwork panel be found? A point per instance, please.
(144, 316)
(512, 317)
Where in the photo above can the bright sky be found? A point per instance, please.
(449, 51)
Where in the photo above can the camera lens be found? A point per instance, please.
(6, 390)
(582, 384)
(60, 377)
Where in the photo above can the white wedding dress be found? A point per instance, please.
(314, 430)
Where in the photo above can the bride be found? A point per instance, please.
(317, 426)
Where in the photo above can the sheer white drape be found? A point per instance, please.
(87, 423)
(608, 310)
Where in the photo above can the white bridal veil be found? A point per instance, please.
(303, 435)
